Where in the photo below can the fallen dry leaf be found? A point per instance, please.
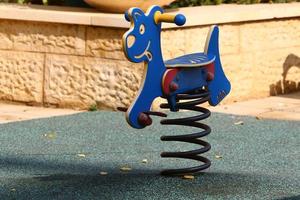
(258, 118)
(125, 169)
(188, 177)
(103, 173)
(239, 123)
(81, 155)
(51, 135)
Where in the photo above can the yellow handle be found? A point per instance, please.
(178, 19)
(159, 17)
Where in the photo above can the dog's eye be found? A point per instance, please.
(142, 29)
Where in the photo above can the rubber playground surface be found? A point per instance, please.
(96, 155)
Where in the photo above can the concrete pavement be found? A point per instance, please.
(17, 112)
(286, 107)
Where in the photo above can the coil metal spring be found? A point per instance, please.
(191, 101)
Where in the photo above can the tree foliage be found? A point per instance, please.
(189, 3)
(175, 4)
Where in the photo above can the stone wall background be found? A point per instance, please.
(77, 66)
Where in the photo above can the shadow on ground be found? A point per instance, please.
(138, 184)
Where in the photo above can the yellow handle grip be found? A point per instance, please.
(162, 17)
(159, 17)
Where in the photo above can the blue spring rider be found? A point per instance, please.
(194, 78)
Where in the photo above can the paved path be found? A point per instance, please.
(13, 112)
(286, 107)
(279, 107)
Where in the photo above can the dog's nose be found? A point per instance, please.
(130, 41)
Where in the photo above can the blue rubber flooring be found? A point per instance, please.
(62, 157)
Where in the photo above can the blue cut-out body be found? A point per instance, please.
(141, 43)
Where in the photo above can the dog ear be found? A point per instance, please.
(136, 14)
(126, 15)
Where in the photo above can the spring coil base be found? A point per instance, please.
(192, 100)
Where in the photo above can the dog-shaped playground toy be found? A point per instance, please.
(195, 78)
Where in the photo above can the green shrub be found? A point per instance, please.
(186, 3)
(93, 107)
(45, 2)
(175, 4)
(189, 3)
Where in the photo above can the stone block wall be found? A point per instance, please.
(68, 65)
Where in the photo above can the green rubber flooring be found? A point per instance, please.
(62, 157)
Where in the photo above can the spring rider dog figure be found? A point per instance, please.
(195, 78)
